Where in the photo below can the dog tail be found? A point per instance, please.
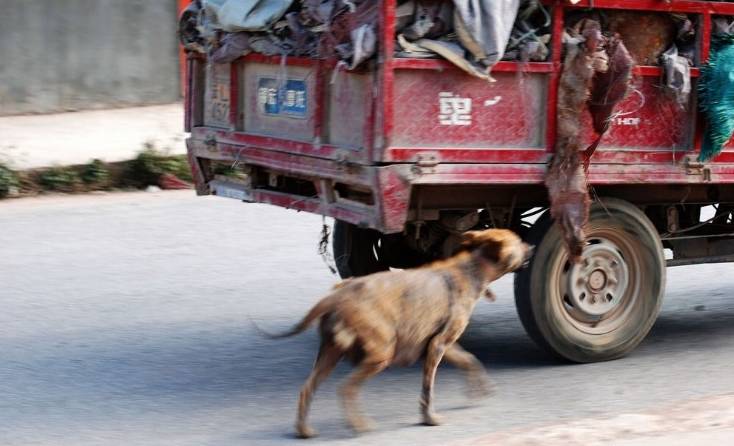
(321, 308)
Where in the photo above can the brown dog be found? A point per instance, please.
(396, 317)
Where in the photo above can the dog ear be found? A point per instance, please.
(488, 247)
(491, 250)
(470, 239)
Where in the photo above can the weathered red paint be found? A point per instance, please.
(314, 206)
(704, 55)
(394, 186)
(500, 67)
(468, 155)
(196, 90)
(284, 163)
(403, 143)
(370, 123)
(555, 77)
(320, 94)
(234, 95)
(182, 65)
(188, 95)
(271, 143)
(657, 71)
(293, 61)
(688, 6)
(387, 71)
(606, 174)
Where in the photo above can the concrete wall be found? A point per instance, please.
(58, 55)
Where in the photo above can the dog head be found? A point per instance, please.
(501, 247)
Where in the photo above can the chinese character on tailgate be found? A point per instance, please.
(300, 99)
(290, 98)
(453, 109)
(272, 96)
(262, 95)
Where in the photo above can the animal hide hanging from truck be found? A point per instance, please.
(596, 75)
(566, 179)
(608, 88)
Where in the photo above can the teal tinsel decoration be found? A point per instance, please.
(716, 96)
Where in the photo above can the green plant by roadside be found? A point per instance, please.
(179, 166)
(224, 169)
(95, 173)
(145, 170)
(8, 181)
(150, 164)
(62, 179)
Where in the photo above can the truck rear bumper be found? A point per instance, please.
(369, 196)
(288, 174)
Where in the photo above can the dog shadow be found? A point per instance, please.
(504, 346)
(501, 344)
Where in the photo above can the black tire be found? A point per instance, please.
(354, 250)
(623, 272)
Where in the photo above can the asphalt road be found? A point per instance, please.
(124, 320)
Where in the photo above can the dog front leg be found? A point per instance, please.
(479, 383)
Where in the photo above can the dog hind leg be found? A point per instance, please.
(477, 379)
(326, 360)
(350, 391)
(434, 353)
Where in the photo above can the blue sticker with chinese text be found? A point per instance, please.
(280, 98)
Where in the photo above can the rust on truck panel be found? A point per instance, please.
(395, 189)
(648, 35)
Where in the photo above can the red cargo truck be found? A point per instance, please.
(408, 153)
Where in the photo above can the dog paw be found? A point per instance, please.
(306, 432)
(431, 419)
(480, 388)
(362, 425)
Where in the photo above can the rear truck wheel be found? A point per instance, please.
(355, 250)
(603, 307)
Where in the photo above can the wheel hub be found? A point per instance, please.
(597, 280)
(597, 284)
